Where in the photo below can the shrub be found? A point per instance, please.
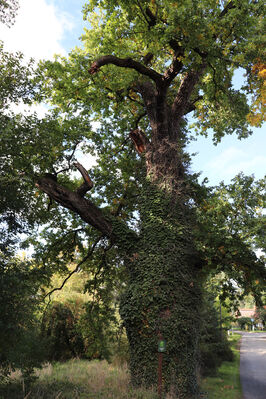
(20, 341)
(214, 347)
(244, 322)
(60, 328)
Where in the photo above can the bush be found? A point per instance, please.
(98, 330)
(214, 347)
(60, 329)
(77, 329)
(244, 322)
(20, 340)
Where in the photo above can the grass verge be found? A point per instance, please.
(77, 379)
(226, 385)
(81, 379)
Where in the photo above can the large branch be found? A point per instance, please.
(228, 7)
(173, 70)
(176, 65)
(114, 229)
(125, 63)
(76, 203)
(139, 139)
(185, 90)
(149, 94)
(192, 105)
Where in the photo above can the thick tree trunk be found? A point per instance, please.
(163, 297)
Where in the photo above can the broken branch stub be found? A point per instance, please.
(88, 184)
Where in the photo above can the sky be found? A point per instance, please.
(47, 27)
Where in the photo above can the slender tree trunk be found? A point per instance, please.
(163, 298)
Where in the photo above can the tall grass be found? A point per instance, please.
(82, 379)
(77, 379)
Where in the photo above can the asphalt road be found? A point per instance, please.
(253, 365)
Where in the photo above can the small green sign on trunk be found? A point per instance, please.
(161, 346)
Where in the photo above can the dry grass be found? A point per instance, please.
(81, 379)
(78, 379)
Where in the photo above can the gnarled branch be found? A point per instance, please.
(125, 63)
(176, 65)
(152, 20)
(88, 212)
(191, 105)
(149, 93)
(173, 70)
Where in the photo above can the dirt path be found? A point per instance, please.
(253, 365)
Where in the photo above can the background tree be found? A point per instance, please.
(244, 322)
(214, 347)
(21, 346)
(8, 11)
(16, 208)
(230, 232)
(80, 321)
(146, 65)
(260, 316)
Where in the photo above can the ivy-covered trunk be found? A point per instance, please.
(163, 297)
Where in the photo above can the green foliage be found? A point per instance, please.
(98, 327)
(15, 204)
(231, 228)
(82, 320)
(260, 315)
(74, 329)
(60, 327)
(8, 11)
(226, 42)
(15, 80)
(244, 322)
(20, 342)
(214, 347)
(78, 324)
(226, 384)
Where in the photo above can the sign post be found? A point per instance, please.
(253, 327)
(161, 349)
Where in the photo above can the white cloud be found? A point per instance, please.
(86, 160)
(37, 32)
(38, 29)
(39, 109)
(260, 253)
